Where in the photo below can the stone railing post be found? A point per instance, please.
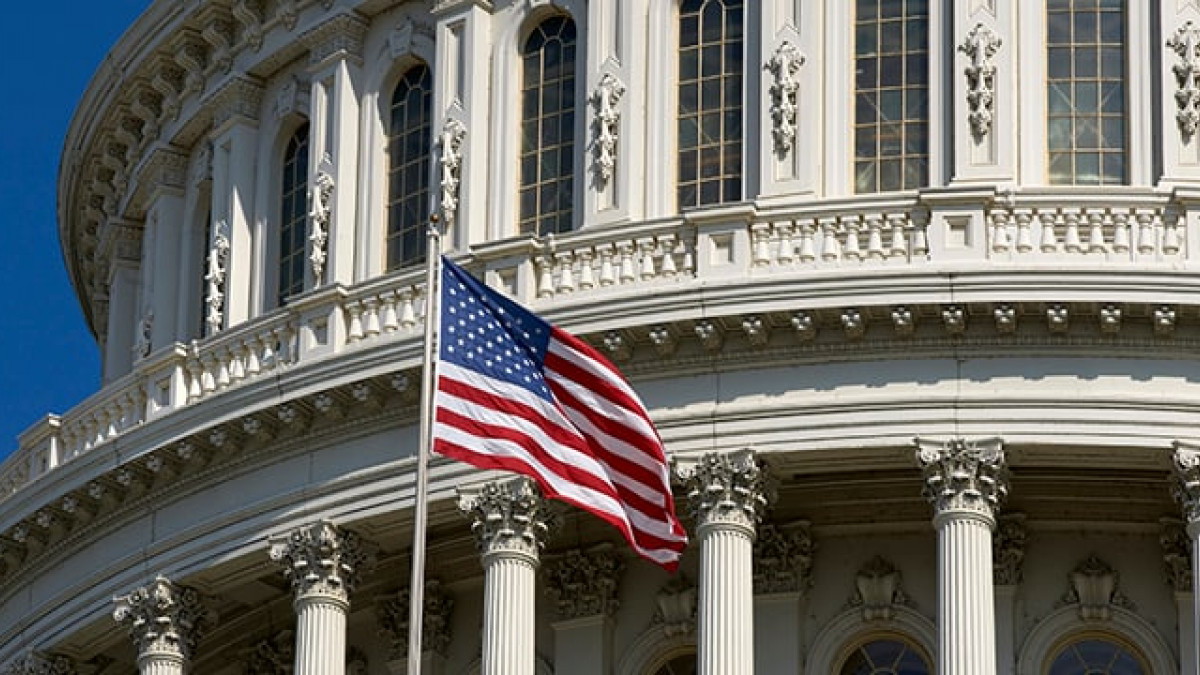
(965, 482)
(323, 563)
(727, 494)
(510, 522)
(165, 621)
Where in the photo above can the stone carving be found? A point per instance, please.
(725, 488)
(783, 559)
(249, 13)
(963, 476)
(877, 589)
(341, 36)
(1186, 462)
(35, 663)
(402, 37)
(676, 607)
(785, 65)
(1177, 554)
(508, 517)
(320, 211)
(1186, 45)
(454, 133)
(584, 583)
(980, 47)
(1094, 586)
(218, 258)
(606, 98)
(292, 98)
(1008, 550)
(163, 617)
(322, 559)
(142, 344)
(272, 656)
(394, 620)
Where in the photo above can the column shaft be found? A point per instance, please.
(966, 618)
(508, 615)
(160, 664)
(320, 636)
(726, 612)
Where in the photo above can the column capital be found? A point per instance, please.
(584, 583)
(37, 663)
(1186, 462)
(1008, 550)
(237, 99)
(322, 560)
(729, 489)
(1177, 554)
(163, 618)
(966, 477)
(509, 518)
(783, 559)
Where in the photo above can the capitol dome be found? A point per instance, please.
(909, 287)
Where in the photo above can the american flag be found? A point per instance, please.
(517, 393)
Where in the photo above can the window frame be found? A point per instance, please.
(388, 103)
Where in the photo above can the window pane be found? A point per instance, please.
(409, 166)
(548, 130)
(293, 216)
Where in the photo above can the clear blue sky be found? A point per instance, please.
(48, 359)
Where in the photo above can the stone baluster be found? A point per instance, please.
(323, 563)
(165, 621)
(727, 494)
(510, 522)
(965, 482)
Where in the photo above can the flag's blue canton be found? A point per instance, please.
(486, 332)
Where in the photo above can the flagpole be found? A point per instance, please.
(416, 609)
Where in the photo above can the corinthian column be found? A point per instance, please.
(165, 621)
(510, 522)
(965, 482)
(323, 562)
(726, 493)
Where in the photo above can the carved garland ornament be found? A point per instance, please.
(435, 622)
(163, 617)
(1177, 554)
(980, 46)
(785, 66)
(1186, 45)
(35, 663)
(319, 213)
(1008, 550)
(963, 476)
(608, 117)
(451, 141)
(783, 560)
(584, 584)
(218, 257)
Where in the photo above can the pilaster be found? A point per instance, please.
(323, 563)
(164, 174)
(1177, 566)
(965, 482)
(165, 621)
(582, 586)
(1179, 78)
(783, 558)
(727, 494)
(789, 59)
(121, 243)
(394, 616)
(984, 101)
(1008, 557)
(511, 522)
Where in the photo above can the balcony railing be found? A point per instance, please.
(1125, 229)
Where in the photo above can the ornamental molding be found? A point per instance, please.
(607, 98)
(783, 558)
(675, 607)
(164, 618)
(320, 212)
(450, 142)
(508, 518)
(322, 560)
(393, 614)
(725, 489)
(584, 583)
(274, 655)
(38, 663)
(1186, 45)
(410, 37)
(878, 590)
(963, 476)
(340, 37)
(164, 169)
(293, 98)
(1186, 489)
(1177, 554)
(784, 65)
(1095, 587)
(215, 276)
(980, 47)
(238, 100)
(1008, 550)
(249, 14)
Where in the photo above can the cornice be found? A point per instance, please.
(340, 36)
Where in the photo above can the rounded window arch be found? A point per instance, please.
(676, 663)
(409, 160)
(886, 655)
(1096, 654)
(1054, 636)
(293, 215)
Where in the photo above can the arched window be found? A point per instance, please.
(680, 665)
(293, 215)
(710, 102)
(408, 167)
(548, 127)
(1085, 91)
(891, 95)
(1096, 656)
(888, 656)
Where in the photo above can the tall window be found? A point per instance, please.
(548, 127)
(885, 657)
(891, 95)
(293, 212)
(710, 102)
(1085, 95)
(1093, 656)
(408, 167)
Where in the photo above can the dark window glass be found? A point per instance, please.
(293, 212)
(885, 657)
(545, 199)
(1096, 657)
(408, 167)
